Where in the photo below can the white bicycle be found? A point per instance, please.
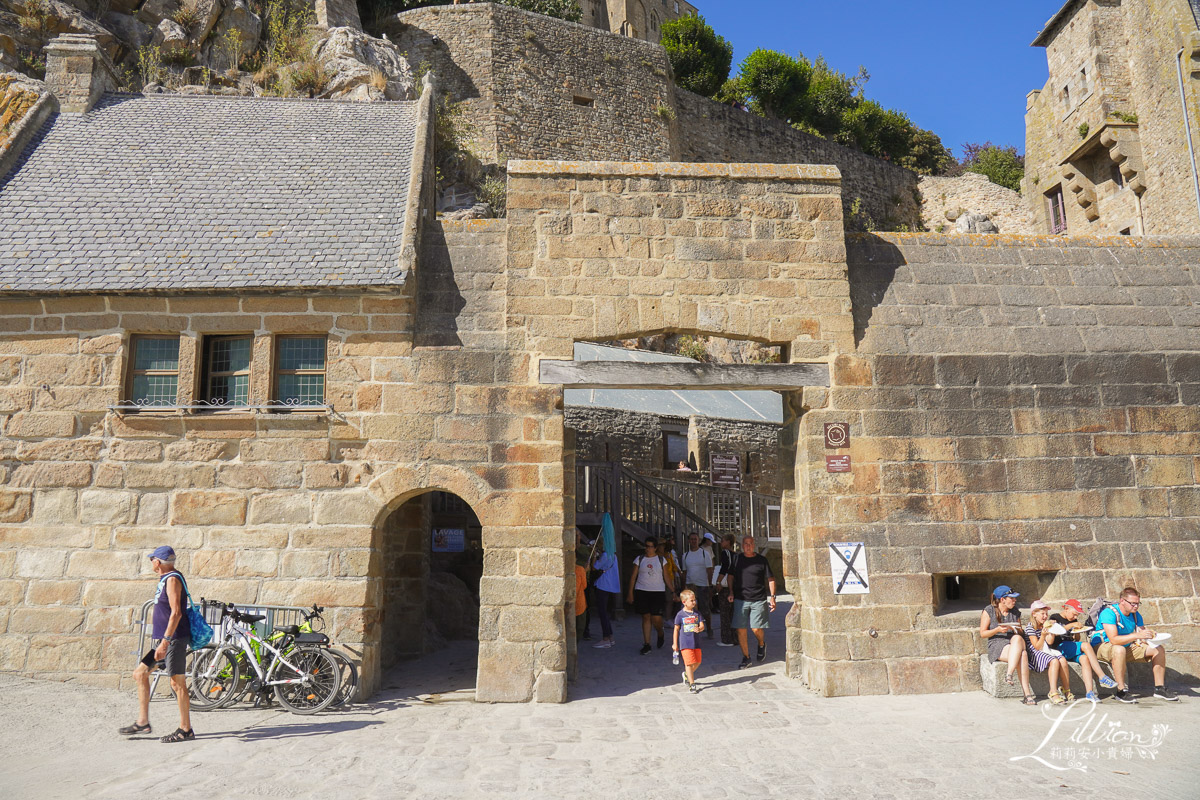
(304, 678)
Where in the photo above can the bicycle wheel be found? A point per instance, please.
(320, 676)
(215, 674)
(349, 682)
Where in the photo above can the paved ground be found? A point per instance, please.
(631, 731)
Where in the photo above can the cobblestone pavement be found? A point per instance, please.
(632, 730)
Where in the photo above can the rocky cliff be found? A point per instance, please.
(258, 47)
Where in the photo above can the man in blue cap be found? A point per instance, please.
(171, 629)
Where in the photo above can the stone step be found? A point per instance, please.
(1140, 677)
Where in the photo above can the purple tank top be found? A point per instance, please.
(162, 610)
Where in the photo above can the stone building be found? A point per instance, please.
(1112, 138)
(210, 336)
(640, 19)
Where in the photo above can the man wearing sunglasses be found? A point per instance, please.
(1122, 637)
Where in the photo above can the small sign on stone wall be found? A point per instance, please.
(837, 463)
(837, 435)
(848, 564)
(726, 470)
(449, 540)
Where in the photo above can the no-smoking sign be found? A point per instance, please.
(837, 435)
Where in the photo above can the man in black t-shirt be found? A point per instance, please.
(750, 577)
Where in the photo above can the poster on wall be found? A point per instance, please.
(848, 563)
(449, 540)
(726, 470)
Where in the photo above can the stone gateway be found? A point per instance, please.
(205, 340)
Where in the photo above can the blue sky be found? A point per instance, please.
(961, 69)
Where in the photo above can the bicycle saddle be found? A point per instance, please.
(240, 617)
(289, 629)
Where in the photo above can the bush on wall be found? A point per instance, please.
(699, 57)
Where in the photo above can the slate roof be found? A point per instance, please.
(744, 405)
(171, 192)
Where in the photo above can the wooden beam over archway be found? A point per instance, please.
(679, 375)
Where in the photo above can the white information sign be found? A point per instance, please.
(848, 564)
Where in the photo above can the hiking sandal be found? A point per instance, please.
(1008, 678)
(134, 729)
(180, 735)
(1029, 700)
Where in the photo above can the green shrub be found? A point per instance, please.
(150, 65)
(308, 77)
(699, 57)
(1125, 116)
(1084, 129)
(187, 16)
(1003, 166)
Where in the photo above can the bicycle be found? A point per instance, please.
(305, 679)
(314, 624)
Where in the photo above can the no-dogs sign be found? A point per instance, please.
(848, 563)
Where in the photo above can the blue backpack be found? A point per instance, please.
(202, 632)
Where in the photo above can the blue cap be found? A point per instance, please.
(1003, 592)
(163, 553)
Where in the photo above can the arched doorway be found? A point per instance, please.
(432, 561)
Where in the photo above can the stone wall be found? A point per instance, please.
(710, 131)
(268, 508)
(523, 76)
(944, 199)
(1023, 410)
(537, 87)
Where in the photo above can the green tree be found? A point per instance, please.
(927, 155)
(776, 84)
(831, 95)
(699, 57)
(1004, 166)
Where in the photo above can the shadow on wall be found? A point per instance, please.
(872, 264)
(440, 301)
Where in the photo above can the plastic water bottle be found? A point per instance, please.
(675, 658)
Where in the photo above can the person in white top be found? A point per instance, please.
(647, 585)
(698, 567)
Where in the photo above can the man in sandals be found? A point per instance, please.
(170, 628)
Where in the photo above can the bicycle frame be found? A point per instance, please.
(246, 641)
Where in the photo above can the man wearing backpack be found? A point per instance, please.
(171, 629)
(1121, 637)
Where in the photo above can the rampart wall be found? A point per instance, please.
(711, 131)
(1024, 410)
(538, 87)
(520, 75)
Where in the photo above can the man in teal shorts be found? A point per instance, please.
(749, 578)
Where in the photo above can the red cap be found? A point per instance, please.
(1075, 605)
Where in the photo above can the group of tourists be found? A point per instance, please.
(742, 583)
(1114, 633)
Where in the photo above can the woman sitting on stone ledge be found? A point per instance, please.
(1000, 624)
(1042, 658)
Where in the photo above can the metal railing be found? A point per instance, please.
(276, 617)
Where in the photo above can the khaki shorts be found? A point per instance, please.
(1134, 651)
